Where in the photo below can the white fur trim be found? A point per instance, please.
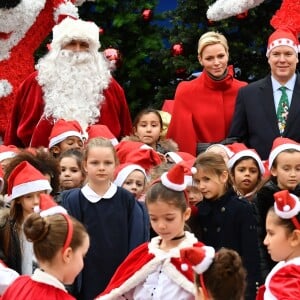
(279, 149)
(66, 8)
(171, 185)
(282, 42)
(287, 212)
(124, 173)
(7, 154)
(246, 153)
(53, 211)
(114, 142)
(175, 157)
(5, 88)
(207, 261)
(30, 187)
(61, 137)
(223, 9)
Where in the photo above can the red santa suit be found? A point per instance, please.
(203, 110)
(283, 282)
(22, 30)
(151, 273)
(40, 285)
(7, 276)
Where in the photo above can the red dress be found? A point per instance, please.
(203, 110)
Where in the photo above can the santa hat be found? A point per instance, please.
(124, 148)
(48, 207)
(25, 179)
(179, 156)
(98, 130)
(63, 129)
(64, 9)
(71, 29)
(246, 153)
(123, 170)
(174, 178)
(189, 170)
(146, 158)
(199, 257)
(286, 205)
(224, 147)
(281, 144)
(9, 151)
(282, 37)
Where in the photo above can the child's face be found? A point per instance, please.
(29, 201)
(287, 170)
(277, 240)
(71, 142)
(166, 219)
(75, 264)
(135, 183)
(209, 184)
(100, 165)
(194, 195)
(70, 173)
(148, 129)
(246, 176)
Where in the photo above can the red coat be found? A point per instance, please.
(28, 128)
(203, 110)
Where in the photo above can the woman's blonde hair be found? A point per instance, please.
(212, 38)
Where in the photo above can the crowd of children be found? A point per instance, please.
(137, 217)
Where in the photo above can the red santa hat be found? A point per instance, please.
(123, 170)
(63, 129)
(48, 206)
(124, 148)
(199, 257)
(287, 205)
(179, 156)
(246, 153)
(281, 144)
(144, 157)
(25, 179)
(174, 178)
(9, 151)
(75, 29)
(99, 130)
(189, 170)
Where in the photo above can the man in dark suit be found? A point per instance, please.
(255, 120)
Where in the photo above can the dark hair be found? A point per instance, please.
(226, 277)
(42, 160)
(287, 223)
(48, 234)
(99, 142)
(147, 111)
(159, 192)
(76, 154)
(274, 164)
(213, 163)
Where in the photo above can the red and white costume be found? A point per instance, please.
(40, 285)
(151, 273)
(283, 282)
(22, 30)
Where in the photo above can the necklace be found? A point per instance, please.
(178, 237)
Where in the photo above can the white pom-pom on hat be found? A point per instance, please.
(286, 205)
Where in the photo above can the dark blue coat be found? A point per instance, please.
(230, 222)
(116, 226)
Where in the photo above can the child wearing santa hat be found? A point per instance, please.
(283, 244)
(219, 275)
(65, 135)
(24, 186)
(60, 243)
(284, 165)
(114, 219)
(154, 269)
(226, 220)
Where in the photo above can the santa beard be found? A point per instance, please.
(73, 84)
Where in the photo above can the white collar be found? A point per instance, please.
(93, 197)
(43, 277)
(289, 85)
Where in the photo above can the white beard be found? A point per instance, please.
(73, 84)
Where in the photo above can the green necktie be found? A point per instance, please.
(283, 109)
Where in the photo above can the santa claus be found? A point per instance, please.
(24, 24)
(72, 82)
